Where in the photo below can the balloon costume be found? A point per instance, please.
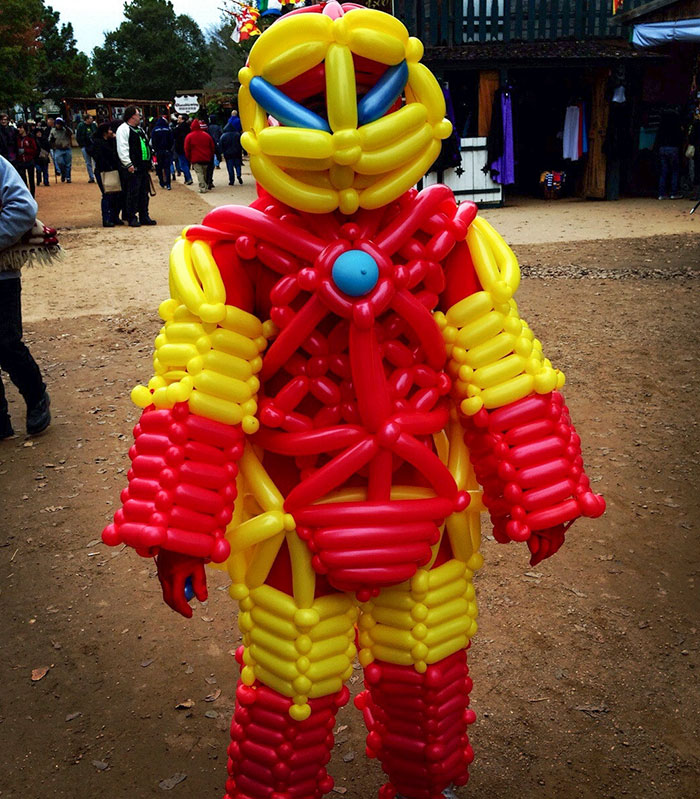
(341, 366)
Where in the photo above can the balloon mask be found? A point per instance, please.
(338, 112)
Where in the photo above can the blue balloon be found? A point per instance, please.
(189, 591)
(355, 272)
(383, 94)
(287, 111)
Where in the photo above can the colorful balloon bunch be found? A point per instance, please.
(417, 725)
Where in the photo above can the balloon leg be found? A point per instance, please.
(271, 756)
(418, 725)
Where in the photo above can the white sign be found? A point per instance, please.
(187, 104)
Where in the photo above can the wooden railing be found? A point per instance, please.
(457, 22)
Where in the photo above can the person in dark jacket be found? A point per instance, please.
(162, 140)
(199, 149)
(83, 135)
(104, 153)
(135, 157)
(42, 160)
(232, 151)
(181, 132)
(669, 139)
(8, 140)
(27, 151)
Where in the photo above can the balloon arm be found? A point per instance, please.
(181, 486)
(527, 457)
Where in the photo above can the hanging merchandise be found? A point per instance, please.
(341, 371)
(500, 158)
(575, 141)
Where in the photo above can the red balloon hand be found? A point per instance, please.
(544, 543)
(173, 571)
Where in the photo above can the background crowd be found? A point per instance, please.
(121, 155)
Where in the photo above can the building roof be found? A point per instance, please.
(672, 9)
(534, 53)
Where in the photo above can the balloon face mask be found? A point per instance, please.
(338, 113)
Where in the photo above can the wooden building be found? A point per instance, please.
(551, 55)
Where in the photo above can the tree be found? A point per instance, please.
(20, 25)
(152, 53)
(64, 70)
(227, 56)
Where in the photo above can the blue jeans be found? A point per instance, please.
(63, 160)
(670, 158)
(42, 173)
(88, 163)
(232, 164)
(184, 167)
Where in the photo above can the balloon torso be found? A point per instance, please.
(353, 399)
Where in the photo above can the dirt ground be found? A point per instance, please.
(585, 667)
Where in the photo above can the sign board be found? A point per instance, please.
(187, 104)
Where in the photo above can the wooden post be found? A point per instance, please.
(594, 178)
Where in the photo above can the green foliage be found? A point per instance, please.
(153, 53)
(227, 57)
(64, 70)
(20, 24)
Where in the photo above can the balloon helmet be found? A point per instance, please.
(337, 110)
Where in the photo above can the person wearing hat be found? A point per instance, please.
(135, 157)
(61, 141)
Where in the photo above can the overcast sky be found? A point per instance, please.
(93, 18)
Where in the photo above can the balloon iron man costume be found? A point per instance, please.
(343, 383)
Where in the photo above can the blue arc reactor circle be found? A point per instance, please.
(355, 273)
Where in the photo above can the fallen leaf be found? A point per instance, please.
(171, 782)
(340, 789)
(72, 716)
(146, 663)
(40, 673)
(349, 757)
(213, 697)
(207, 618)
(211, 714)
(100, 765)
(28, 444)
(211, 680)
(186, 705)
(536, 575)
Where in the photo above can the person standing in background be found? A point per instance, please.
(233, 152)
(104, 151)
(27, 150)
(669, 140)
(135, 157)
(199, 150)
(17, 216)
(44, 157)
(8, 140)
(162, 141)
(61, 141)
(83, 134)
(181, 132)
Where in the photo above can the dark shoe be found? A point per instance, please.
(67, 180)
(6, 430)
(240, 180)
(231, 183)
(168, 188)
(92, 180)
(148, 221)
(118, 222)
(134, 222)
(189, 182)
(39, 415)
(63, 180)
(108, 224)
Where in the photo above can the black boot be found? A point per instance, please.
(6, 430)
(39, 415)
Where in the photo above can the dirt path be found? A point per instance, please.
(585, 668)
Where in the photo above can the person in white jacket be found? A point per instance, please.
(135, 156)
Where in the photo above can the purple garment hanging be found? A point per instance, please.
(503, 168)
